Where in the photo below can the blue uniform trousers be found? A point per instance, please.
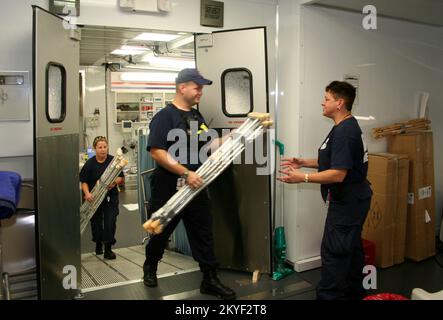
(341, 249)
(104, 221)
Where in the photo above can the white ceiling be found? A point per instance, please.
(421, 11)
(98, 42)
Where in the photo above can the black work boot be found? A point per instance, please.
(98, 248)
(150, 274)
(109, 254)
(212, 285)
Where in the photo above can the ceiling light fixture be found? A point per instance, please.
(149, 76)
(168, 63)
(182, 42)
(138, 48)
(127, 52)
(147, 36)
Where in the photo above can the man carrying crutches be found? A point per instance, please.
(170, 174)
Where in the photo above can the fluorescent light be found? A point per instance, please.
(156, 36)
(123, 52)
(137, 48)
(182, 42)
(172, 63)
(149, 76)
(146, 66)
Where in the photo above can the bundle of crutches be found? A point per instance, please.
(412, 125)
(254, 125)
(100, 190)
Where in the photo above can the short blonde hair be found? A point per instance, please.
(98, 139)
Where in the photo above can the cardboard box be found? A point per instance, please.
(420, 228)
(386, 222)
(401, 213)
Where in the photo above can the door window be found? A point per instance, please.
(55, 92)
(237, 92)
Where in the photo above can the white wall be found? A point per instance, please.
(287, 117)
(16, 145)
(184, 16)
(394, 63)
(94, 98)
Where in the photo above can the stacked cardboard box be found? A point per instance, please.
(420, 230)
(402, 210)
(386, 222)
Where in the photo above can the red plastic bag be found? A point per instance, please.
(385, 296)
(369, 250)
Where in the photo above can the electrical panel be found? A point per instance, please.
(14, 96)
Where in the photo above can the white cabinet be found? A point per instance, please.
(140, 106)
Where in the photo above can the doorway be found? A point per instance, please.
(127, 76)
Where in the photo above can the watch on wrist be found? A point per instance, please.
(185, 175)
(306, 177)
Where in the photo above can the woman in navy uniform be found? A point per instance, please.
(175, 146)
(104, 220)
(342, 165)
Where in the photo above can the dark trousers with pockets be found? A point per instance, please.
(341, 249)
(197, 220)
(104, 221)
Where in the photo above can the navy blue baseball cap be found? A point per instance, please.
(190, 74)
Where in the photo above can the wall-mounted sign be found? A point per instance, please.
(211, 13)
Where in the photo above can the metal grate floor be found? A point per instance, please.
(98, 272)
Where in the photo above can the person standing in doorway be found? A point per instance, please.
(104, 220)
(173, 170)
(342, 165)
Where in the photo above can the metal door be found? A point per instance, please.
(56, 160)
(236, 62)
(233, 60)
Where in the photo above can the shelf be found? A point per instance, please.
(140, 106)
